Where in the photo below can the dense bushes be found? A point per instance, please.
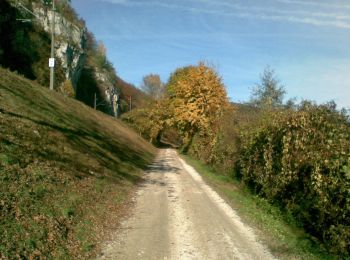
(297, 157)
(150, 122)
(219, 145)
(139, 120)
(301, 160)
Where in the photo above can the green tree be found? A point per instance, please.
(268, 94)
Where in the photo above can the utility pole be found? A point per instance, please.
(118, 106)
(95, 99)
(52, 59)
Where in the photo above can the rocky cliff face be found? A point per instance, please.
(69, 43)
(79, 68)
(70, 49)
(110, 93)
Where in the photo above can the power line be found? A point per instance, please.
(26, 9)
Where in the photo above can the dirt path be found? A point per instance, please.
(177, 216)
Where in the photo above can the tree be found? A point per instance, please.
(291, 104)
(197, 99)
(268, 93)
(153, 86)
(101, 56)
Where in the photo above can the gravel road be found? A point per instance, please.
(178, 216)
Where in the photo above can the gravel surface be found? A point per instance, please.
(178, 216)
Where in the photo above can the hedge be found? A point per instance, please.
(301, 160)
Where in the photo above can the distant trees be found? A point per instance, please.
(100, 57)
(153, 86)
(194, 100)
(268, 93)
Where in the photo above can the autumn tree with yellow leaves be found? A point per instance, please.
(194, 100)
(197, 99)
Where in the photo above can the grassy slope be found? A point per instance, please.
(65, 171)
(275, 228)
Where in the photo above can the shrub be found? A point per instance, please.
(301, 160)
(67, 89)
(139, 120)
(217, 147)
(219, 144)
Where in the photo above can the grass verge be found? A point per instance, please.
(274, 227)
(66, 172)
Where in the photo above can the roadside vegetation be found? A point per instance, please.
(295, 157)
(66, 169)
(300, 161)
(275, 227)
(66, 172)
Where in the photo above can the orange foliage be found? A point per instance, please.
(198, 98)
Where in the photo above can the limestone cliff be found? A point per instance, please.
(69, 43)
(78, 61)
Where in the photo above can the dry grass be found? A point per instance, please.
(66, 172)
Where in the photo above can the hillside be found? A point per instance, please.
(65, 169)
(82, 68)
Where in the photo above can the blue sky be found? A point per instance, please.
(306, 42)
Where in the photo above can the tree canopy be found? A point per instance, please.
(268, 93)
(197, 97)
(153, 86)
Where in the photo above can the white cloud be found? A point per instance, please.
(116, 1)
(336, 19)
(315, 4)
(296, 19)
(314, 17)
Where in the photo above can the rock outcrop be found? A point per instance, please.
(78, 71)
(69, 43)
